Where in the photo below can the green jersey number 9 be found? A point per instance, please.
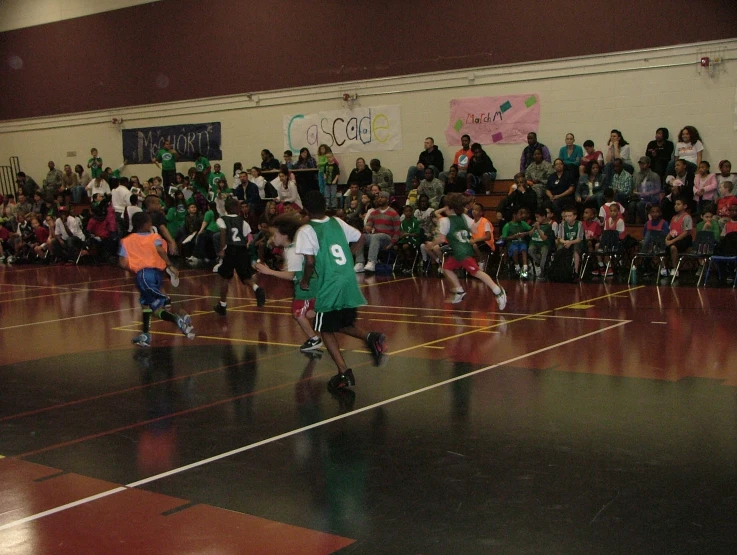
(338, 254)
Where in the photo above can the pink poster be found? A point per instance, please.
(493, 119)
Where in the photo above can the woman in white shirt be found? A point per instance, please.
(689, 147)
(617, 147)
(286, 187)
(259, 181)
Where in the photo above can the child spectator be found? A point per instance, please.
(4, 244)
(68, 233)
(483, 235)
(680, 238)
(8, 209)
(608, 200)
(570, 236)
(591, 230)
(331, 176)
(725, 174)
(614, 222)
(709, 221)
(515, 232)
(209, 232)
(41, 234)
(705, 184)
(726, 199)
(541, 239)
(731, 225)
(655, 222)
(132, 208)
(409, 240)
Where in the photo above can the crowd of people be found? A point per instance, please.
(86, 211)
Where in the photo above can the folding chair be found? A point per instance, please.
(415, 260)
(730, 238)
(609, 245)
(702, 249)
(656, 250)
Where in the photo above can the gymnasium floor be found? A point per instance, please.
(592, 418)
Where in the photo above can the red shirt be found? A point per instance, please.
(723, 205)
(42, 234)
(591, 229)
(730, 227)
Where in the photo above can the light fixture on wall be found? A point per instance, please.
(118, 123)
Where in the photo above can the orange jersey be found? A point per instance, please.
(481, 229)
(140, 250)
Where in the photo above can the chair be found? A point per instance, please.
(657, 251)
(730, 238)
(703, 249)
(415, 260)
(609, 245)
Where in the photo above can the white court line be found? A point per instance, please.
(298, 430)
(658, 322)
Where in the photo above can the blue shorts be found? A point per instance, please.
(148, 281)
(515, 247)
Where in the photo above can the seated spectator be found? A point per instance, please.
(570, 236)
(454, 183)
(726, 200)
(541, 239)
(592, 155)
(213, 177)
(431, 157)
(655, 222)
(382, 177)
(538, 172)
(481, 171)
(208, 235)
(660, 151)
(689, 148)
(709, 221)
(22, 237)
(286, 188)
(237, 169)
(614, 222)
(432, 187)
(83, 179)
(361, 174)
(288, 155)
(305, 161)
(23, 205)
(521, 195)
(26, 184)
(730, 226)
(591, 185)
(8, 209)
(559, 187)
(608, 197)
(425, 215)
(572, 155)
(515, 233)
(68, 233)
(102, 231)
(176, 215)
(268, 162)
(679, 185)
(353, 193)
(483, 236)
(725, 174)
(461, 160)
(591, 230)
(617, 147)
(43, 240)
(680, 236)
(409, 240)
(621, 182)
(39, 205)
(69, 181)
(98, 186)
(131, 209)
(705, 185)
(381, 233)
(647, 190)
(528, 154)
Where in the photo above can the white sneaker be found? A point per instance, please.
(501, 299)
(173, 277)
(358, 268)
(538, 271)
(10, 260)
(458, 297)
(216, 267)
(370, 267)
(664, 272)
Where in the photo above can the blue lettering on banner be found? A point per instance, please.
(141, 145)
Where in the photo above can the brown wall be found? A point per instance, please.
(220, 47)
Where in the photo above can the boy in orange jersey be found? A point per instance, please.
(144, 253)
(483, 237)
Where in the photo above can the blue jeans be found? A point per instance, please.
(201, 245)
(77, 193)
(331, 191)
(376, 241)
(321, 182)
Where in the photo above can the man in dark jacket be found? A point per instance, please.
(481, 171)
(431, 157)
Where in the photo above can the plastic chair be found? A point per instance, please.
(657, 251)
(703, 249)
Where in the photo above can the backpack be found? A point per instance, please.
(561, 267)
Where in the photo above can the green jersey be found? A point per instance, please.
(201, 164)
(211, 221)
(513, 228)
(167, 159)
(327, 240)
(458, 232)
(95, 166)
(714, 228)
(175, 219)
(296, 264)
(545, 229)
(213, 179)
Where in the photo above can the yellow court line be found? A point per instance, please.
(452, 313)
(442, 324)
(436, 346)
(384, 282)
(527, 317)
(217, 338)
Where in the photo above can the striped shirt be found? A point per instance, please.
(386, 221)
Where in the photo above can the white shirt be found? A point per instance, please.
(94, 188)
(121, 198)
(260, 182)
(74, 225)
(444, 225)
(295, 262)
(131, 210)
(290, 194)
(688, 151)
(246, 227)
(306, 242)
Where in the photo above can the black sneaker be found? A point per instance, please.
(311, 344)
(220, 309)
(376, 342)
(260, 296)
(343, 381)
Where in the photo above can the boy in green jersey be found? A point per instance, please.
(303, 305)
(324, 244)
(166, 160)
(456, 228)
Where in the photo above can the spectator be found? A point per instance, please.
(431, 157)
(23, 206)
(621, 182)
(725, 174)
(361, 174)
(382, 177)
(94, 164)
(268, 162)
(709, 221)
(454, 183)
(591, 185)
(288, 155)
(726, 200)
(481, 171)
(705, 185)
(68, 233)
(432, 187)
(538, 173)
(654, 223)
(461, 160)
(559, 186)
(322, 160)
(381, 232)
(208, 234)
(515, 233)
(592, 155)
(679, 185)
(353, 193)
(121, 200)
(98, 186)
(680, 237)
(52, 183)
(83, 179)
(176, 215)
(166, 159)
(26, 184)
(215, 176)
(286, 188)
(617, 147)
(131, 209)
(660, 151)
(237, 169)
(69, 181)
(39, 205)
(541, 239)
(8, 209)
(521, 195)
(305, 160)
(689, 148)
(306, 180)
(570, 236)
(571, 154)
(647, 191)
(332, 177)
(528, 153)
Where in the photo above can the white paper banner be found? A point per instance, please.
(359, 130)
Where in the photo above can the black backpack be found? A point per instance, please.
(561, 267)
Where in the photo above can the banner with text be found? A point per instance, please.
(141, 145)
(356, 130)
(493, 119)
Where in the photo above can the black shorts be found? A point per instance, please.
(335, 320)
(236, 259)
(684, 244)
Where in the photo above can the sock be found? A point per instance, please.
(223, 304)
(168, 316)
(146, 320)
(458, 291)
(315, 337)
(255, 286)
(524, 267)
(516, 267)
(496, 289)
(601, 264)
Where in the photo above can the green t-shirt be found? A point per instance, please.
(410, 225)
(213, 179)
(513, 228)
(95, 165)
(322, 161)
(167, 159)
(175, 219)
(459, 237)
(715, 229)
(201, 164)
(337, 287)
(547, 230)
(211, 221)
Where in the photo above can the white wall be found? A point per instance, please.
(634, 92)
(16, 14)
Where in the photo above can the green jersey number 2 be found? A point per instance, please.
(338, 254)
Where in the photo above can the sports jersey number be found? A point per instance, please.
(236, 239)
(462, 236)
(338, 254)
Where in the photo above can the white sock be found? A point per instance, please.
(524, 267)
(223, 303)
(496, 289)
(255, 286)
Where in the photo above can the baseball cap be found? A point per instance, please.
(644, 160)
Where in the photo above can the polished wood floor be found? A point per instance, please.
(590, 418)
